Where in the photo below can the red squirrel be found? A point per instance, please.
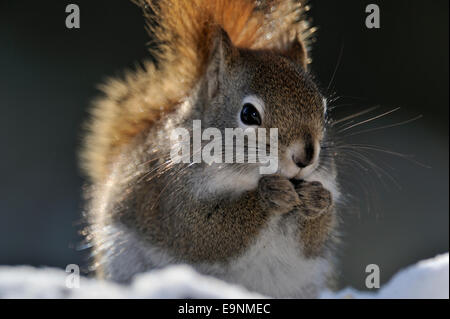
(229, 64)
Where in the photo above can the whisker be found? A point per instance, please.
(376, 169)
(382, 150)
(332, 107)
(337, 67)
(369, 120)
(384, 127)
(355, 115)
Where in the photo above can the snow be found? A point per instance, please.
(426, 279)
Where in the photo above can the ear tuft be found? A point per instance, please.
(296, 52)
(221, 58)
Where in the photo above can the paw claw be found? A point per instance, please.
(315, 200)
(278, 193)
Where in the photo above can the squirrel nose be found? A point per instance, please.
(305, 156)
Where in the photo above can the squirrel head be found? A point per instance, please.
(259, 60)
(266, 89)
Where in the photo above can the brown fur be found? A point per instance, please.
(317, 218)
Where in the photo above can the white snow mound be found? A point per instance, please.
(426, 279)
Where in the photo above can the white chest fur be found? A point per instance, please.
(274, 266)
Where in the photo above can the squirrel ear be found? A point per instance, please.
(296, 52)
(222, 55)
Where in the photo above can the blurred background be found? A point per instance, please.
(397, 206)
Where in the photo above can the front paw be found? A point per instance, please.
(315, 200)
(278, 194)
(317, 219)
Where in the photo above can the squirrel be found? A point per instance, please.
(228, 63)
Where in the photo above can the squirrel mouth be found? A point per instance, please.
(296, 182)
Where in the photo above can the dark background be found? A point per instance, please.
(49, 74)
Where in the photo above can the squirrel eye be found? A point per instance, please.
(250, 115)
